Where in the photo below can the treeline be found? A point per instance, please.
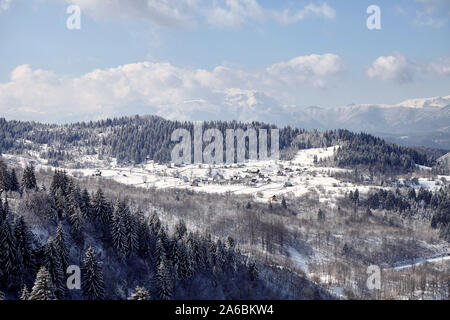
(423, 203)
(122, 251)
(137, 139)
(365, 151)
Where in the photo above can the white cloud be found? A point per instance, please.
(398, 69)
(4, 5)
(160, 88)
(286, 17)
(434, 13)
(166, 13)
(307, 69)
(181, 13)
(235, 13)
(440, 67)
(392, 68)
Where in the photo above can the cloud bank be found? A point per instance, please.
(161, 88)
(396, 68)
(185, 13)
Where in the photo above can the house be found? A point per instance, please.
(97, 173)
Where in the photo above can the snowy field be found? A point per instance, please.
(260, 179)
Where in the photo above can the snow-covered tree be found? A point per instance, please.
(29, 178)
(25, 294)
(60, 245)
(92, 283)
(10, 262)
(100, 208)
(140, 293)
(85, 204)
(13, 181)
(78, 225)
(180, 230)
(43, 288)
(164, 281)
(53, 264)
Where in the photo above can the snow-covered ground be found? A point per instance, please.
(421, 261)
(260, 179)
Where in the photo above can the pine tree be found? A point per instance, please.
(92, 283)
(73, 198)
(118, 235)
(23, 239)
(219, 256)
(164, 281)
(77, 224)
(145, 240)
(132, 239)
(85, 204)
(29, 178)
(25, 294)
(43, 288)
(53, 265)
(180, 230)
(141, 293)
(100, 208)
(160, 251)
(14, 183)
(61, 246)
(10, 262)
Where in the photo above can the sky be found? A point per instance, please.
(216, 59)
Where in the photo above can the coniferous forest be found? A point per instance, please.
(67, 232)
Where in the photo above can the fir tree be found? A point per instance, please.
(61, 246)
(100, 208)
(10, 262)
(141, 293)
(43, 288)
(85, 204)
(164, 281)
(92, 283)
(180, 230)
(23, 239)
(53, 265)
(118, 230)
(29, 178)
(14, 183)
(77, 224)
(25, 294)
(132, 239)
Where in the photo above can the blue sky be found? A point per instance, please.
(188, 58)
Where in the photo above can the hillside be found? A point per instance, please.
(309, 224)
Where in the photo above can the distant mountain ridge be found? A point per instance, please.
(413, 122)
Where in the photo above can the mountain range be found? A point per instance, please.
(414, 122)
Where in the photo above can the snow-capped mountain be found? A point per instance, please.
(423, 121)
(437, 102)
(420, 122)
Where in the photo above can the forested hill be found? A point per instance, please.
(140, 138)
